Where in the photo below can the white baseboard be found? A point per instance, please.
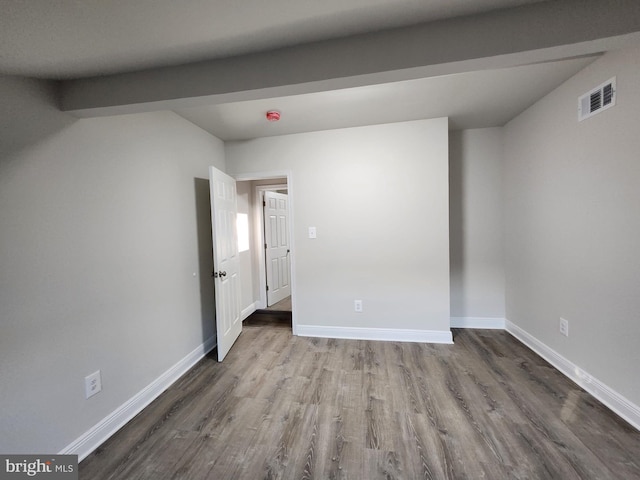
(109, 425)
(247, 311)
(478, 322)
(100, 432)
(612, 399)
(384, 334)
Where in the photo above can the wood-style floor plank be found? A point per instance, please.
(284, 407)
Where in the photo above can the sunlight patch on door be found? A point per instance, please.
(243, 232)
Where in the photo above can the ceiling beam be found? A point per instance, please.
(531, 33)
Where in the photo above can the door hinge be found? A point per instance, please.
(264, 204)
(265, 246)
(267, 288)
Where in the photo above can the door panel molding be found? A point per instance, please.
(226, 260)
(276, 221)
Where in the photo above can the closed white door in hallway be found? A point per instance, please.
(277, 250)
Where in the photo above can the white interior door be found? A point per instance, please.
(276, 232)
(225, 259)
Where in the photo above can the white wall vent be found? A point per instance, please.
(597, 100)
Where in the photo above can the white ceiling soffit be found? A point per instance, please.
(65, 39)
(486, 98)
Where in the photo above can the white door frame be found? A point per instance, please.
(261, 240)
(244, 177)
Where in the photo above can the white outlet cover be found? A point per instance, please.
(92, 384)
(357, 305)
(564, 327)
(312, 232)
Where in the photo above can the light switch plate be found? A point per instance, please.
(312, 232)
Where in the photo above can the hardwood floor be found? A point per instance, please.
(283, 305)
(307, 408)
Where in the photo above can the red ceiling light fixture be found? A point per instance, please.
(273, 115)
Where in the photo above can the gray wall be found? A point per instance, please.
(104, 221)
(475, 208)
(378, 197)
(572, 224)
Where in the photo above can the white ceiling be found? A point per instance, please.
(486, 98)
(62, 39)
(68, 39)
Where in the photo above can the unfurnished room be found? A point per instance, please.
(361, 239)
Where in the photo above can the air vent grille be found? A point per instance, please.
(596, 103)
(607, 94)
(597, 100)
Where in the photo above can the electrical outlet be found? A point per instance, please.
(564, 327)
(357, 306)
(92, 384)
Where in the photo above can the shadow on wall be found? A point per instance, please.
(205, 258)
(29, 114)
(456, 222)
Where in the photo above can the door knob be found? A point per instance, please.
(223, 274)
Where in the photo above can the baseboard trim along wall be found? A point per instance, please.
(609, 397)
(493, 323)
(104, 429)
(109, 425)
(248, 311)
(383, 334)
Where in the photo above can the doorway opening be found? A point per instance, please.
(272, 208)
(268, 265)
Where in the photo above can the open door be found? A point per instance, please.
(276, 235)
(225, 260)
